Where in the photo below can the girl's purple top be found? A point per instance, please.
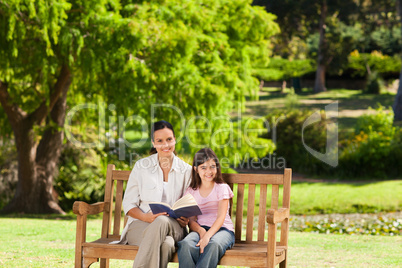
(209, 205)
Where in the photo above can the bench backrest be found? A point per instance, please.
(246, 210)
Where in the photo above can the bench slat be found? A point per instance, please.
(121, 175)
(254, 178)
(286, 204)
(262, 211)
(275, 196)
(107, 215)
(239, 211)
(250, 212)
(117, 213)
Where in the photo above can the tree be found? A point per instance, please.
(397, 106)
(129, 53)
(319, 84)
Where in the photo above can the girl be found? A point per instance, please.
(212, 232)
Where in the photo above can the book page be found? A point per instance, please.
(186, 201)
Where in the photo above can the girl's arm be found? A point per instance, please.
(222, 210)
(195, 227)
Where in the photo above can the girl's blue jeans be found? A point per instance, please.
(189, 254)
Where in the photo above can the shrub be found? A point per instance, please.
(283, 69)
(375, 150)
(380, 121)
(289, 142)
(359, 63)
(374, 83)
(8, 171)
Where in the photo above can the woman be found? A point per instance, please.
(161, 177)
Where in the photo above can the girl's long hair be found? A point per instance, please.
(200, 158)
(157, 126)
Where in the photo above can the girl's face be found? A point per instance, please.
(207, 170)
(164, 142)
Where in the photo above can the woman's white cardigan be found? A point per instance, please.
(145, 185)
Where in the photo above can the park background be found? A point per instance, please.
(78, 80)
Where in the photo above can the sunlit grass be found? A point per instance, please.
(321, 198)
(33, 242)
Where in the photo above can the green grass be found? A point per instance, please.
(33, 242)
(313, 198)
(321, 198)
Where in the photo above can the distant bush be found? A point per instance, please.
(82, 172)
(374, 83)
(8, 171)
(280, 69)
(375, 151)
(359, 63)
(289, 139)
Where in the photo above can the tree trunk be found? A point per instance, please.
(397, 106)
(37, 164)
(319, 85)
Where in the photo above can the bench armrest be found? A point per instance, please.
(277, 215)
(82, 208)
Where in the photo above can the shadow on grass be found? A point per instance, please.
(68, 217)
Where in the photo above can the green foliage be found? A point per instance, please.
(375, 150)
(233, 141)
(386, 39)
(377, 120)
(292, 100)
(193, 57)
(8, 171)
(283, 69)
(374, 83)
(340, 41)
(289, 139)
(80, 177)
(375, 61)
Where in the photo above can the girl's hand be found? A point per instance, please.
(183, 221)
(150, 217)
(203, 243)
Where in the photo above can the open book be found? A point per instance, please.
(184, 207)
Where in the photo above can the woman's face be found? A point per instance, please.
(207, 171)
(164, 142)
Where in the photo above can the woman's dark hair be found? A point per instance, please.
(200, 158)
(157, 126)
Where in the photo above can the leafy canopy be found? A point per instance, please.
(195, 55)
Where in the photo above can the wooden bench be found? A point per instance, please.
(257, 247)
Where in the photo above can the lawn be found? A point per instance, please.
(34, 242)
(309, 198)
(352, 103)
(49, 241)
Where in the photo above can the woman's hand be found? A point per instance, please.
(183, 221)
(203, 242)
(150, 217)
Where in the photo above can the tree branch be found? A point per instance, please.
(15, 114)
(62, 84)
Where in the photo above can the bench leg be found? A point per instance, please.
(284, 263)
(104, 263)
(86, 262)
